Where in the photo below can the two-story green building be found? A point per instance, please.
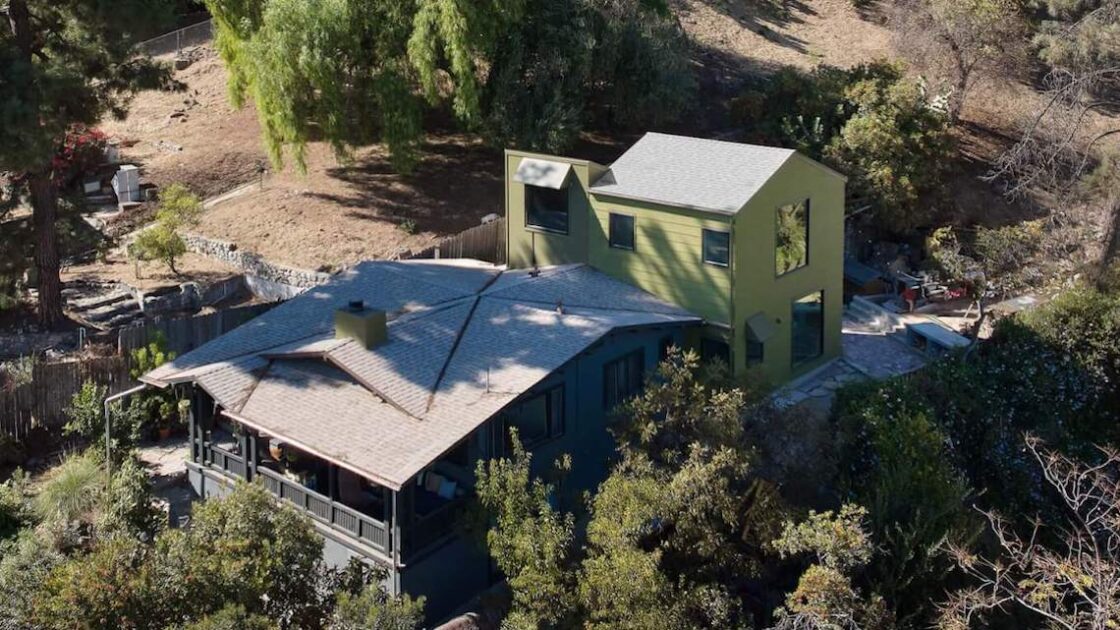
(749, 237)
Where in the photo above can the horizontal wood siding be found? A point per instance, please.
(667, 256)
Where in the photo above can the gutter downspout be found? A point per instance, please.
(108, 425)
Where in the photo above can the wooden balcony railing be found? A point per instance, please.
(224, 460)
(321, 508)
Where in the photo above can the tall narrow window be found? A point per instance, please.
(622, 378)
(807, 331)
(621, 231)
(717, 248)
(546, 209)
(792, 250)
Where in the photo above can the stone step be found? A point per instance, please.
(112, 297)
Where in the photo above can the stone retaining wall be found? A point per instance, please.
(253, 264)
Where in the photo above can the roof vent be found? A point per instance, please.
(365, 325)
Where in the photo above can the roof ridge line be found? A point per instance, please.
(451, 354)
(590, 308)
(253, 387)
(392, 269)
(327, 358)
(541, 273)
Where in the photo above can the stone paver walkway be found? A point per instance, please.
(868, 354)
(167, 464)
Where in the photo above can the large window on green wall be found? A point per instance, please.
(546, 208)
(807, 330)
(792, 251)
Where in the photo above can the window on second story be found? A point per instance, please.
(792, 246)
(546, 209)
(717, 248)
(622, 378)
(621, 231)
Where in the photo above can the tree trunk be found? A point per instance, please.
(44, 204)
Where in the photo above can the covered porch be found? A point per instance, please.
(394, 523)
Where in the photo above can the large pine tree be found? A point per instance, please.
(65, 63)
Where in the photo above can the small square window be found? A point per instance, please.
(546, 209)
(621, 231)
(717, 248)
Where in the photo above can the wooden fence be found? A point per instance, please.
(41, 401)
(184, 334)
(483, 242)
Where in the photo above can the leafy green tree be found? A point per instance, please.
(870, 122)
(530, 72)
(64, 64)
(675, 534)
(825, 597)
(231, 618)
(894, 148)
(898, 466)
(530, 541)
(374, 609)
(85, 420)
(247, 550)
(178, 208)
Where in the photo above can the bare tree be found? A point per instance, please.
(1075, 585)
(1059, 144)
(954, 41)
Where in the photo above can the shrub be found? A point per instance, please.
(374, 609)
(128, 506)
(178, 208)
(67, 502)
(25, 564)
(87, 422)
(15, 513)
(233, 617)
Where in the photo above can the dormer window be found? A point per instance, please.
(546, 209)
(546, 193)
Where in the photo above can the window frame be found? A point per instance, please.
(635, 382)
(808, 243)
(531, 190)
(555, 427)
(633, 231)
(755, 358)
(704, 232)
(794, 361)
(706, 354)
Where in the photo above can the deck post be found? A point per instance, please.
(395, 543)
(251, 458)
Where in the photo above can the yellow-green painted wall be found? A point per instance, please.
(549, 248)
(667, 262)
(758, 288)
(666, 259)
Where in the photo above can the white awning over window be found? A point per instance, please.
(543, 173)
(760, 327)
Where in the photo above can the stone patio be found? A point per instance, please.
(867, 354)
(167, 464)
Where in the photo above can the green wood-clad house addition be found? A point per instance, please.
(749, 237)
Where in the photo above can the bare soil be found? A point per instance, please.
(338, 213)
(117, 268)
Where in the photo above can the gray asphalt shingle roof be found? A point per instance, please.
(710, 175)
(464, 342)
